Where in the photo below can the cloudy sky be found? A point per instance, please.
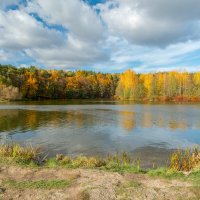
(101, 35)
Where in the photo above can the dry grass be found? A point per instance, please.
(185, 161)
(21, 154)
(180, 161)
(117, 162)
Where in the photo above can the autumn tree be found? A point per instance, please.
(35, 83)
(127, 87)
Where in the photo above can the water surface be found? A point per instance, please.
(147, 131)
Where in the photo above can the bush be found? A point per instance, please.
(19, 153)
(185, 161)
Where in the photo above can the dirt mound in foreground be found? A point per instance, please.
(89, 185)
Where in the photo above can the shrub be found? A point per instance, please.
(185, 161)
(88, 162)
(63, 160)
(19, 153)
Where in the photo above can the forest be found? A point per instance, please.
(35, 83)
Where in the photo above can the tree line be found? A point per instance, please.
(35, 83)
(166, 86)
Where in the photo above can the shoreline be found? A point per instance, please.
(24, 176)
(103, 100)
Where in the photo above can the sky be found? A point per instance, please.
(101, 35)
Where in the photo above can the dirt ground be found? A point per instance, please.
(94, 185)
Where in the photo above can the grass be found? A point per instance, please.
(185, 160)
(120, 162)
(15, 153)
(42, 184)
(117, 163)
(131, 184)
(195, 177)
(165, 173)
(127, 189)
(31, 157)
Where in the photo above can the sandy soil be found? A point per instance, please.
(95, 185)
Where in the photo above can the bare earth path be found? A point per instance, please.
(94, 185)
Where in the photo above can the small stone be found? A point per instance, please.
(2, 190)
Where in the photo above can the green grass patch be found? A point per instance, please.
(195, 177)
(41, 184)
(117, 163)
(165, 173)
(51, 163)
(132, 184)
(123, 168)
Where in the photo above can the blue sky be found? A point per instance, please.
(101, 35)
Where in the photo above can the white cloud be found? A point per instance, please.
(178, 56)
(19, 30)
(84, 37)
(74, 54)
(81, 45)
(75, 15)
(155, 34)
(152, 22)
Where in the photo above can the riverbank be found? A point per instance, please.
(24, 175)
(75, 184)
(155, 100)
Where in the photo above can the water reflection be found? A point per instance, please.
(101, 129)
(147, 121)
(127, 119)
(23, 120)
(32, 119)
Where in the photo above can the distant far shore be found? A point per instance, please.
(175, 100)
(34, 83)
